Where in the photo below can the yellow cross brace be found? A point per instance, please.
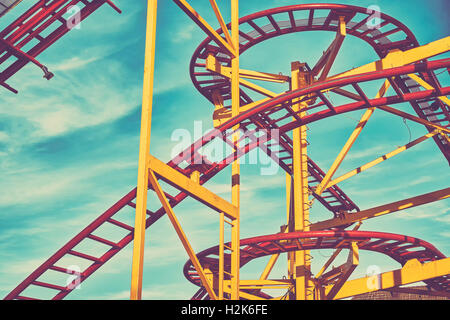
(351, 140)
(397, 58)
(176, 224)
(184, 5)
(349, 267)
(213, 65)
(381, 159)
(221, 22)
(427, 86)
(333, 256)
(393, 59)
(413, 271)
(192, 188)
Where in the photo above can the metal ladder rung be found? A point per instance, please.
(49, 286)
(120, 224)
(59, 269)
(104, 241)
(84, 256)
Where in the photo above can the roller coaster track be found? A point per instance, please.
(398, 247)
(320, 17)
(276, 113)
(36, 30)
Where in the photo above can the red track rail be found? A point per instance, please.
(28, 36)
(398, 247)
(209, 170)
(6, 6)
(274, 114)
(276, 22)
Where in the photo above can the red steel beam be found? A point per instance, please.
(211, 169)
(42, 16)
(367, 240)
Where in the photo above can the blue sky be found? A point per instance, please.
(69, 147)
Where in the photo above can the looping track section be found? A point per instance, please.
(259, 119)
(398, 247)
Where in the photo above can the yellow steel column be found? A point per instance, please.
(301, 270)
(144, 151)
(290, 227)
(221, 254)
(235, 171)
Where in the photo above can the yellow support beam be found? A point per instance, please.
(269, 267)
(221, 22)
(445, 137)
(182, 236)
(192, 188)
(393, 59)
(213, 65)
(266, 272)
(351, 140)
(350, 266)
(289, 201)
(184, 5)
(221, 114)
(144, 151)
(349, 218)
(381, 159)
(401, 58)
(258, 89)
(235, 167)
(263, 76)
(299, 264)
(333, 256)
(413, 271)
(427, 86)
(409, 290)
(221, 254)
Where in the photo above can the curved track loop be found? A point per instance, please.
(276, 22)
(186, 163)
(258, 122)
(398, 247)
(273, 23)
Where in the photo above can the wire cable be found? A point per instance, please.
(409, 129)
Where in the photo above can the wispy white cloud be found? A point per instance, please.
(184, 34)
(86, 104)
(56, 183)
(3, 137)
(73, 63)
(437, 211)
(93, 88)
